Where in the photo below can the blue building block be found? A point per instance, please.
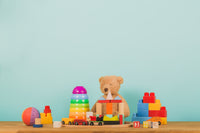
(142, 109)
(37, 126)
(140, 119)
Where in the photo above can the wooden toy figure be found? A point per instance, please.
(109, 86)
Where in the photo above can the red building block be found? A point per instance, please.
(47, 110)
(152, 97)
(136, 124)
(103, 101)
(121, 119)
(146, 97)
(154, 113)
(149, 98)
(115, 101)
(163, 112)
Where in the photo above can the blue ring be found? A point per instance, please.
(79, 96)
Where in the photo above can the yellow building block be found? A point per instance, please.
(163, 120)
(46, 119)
(145, 124)
(155, 106)
(114, 118)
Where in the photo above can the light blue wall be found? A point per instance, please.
(49, 47)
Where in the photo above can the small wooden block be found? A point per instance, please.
(37, 121)
(103, 108)
(98, 108)
(136, 124)
(145, 124)
(57, 124)
(109, 108)
(149, 124)
(121, 108)
(154, 125)
(115, 108)
(88, 114)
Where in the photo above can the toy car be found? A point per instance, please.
(80, 122)
(68, 121)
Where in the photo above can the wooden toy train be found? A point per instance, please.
(93, 120)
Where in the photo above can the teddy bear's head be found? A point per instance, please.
(110, 83)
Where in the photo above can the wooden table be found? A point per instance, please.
(172, 127)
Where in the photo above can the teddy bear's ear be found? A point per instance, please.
(100, 79)
(120, 79)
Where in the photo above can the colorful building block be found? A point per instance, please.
(37, 121)
(46, 119)
(149, 124)
(154, 125)
(136, 124)
(154, 113)
(57, 124)
(163, 120)
(163, 112)
(47, 109)
(88, 114)
(145, 124)
(158, 113)
(108, 108)
(155, 106)
(140, 119)
(37, 125)
(149, 98)
(142, 109)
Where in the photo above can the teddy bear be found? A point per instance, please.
(109, 86)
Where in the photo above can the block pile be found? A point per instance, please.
(149, 109)
(46, 117)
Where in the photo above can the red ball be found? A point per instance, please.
(29, 115)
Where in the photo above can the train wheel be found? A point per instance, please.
(91, 123)
(100, 123)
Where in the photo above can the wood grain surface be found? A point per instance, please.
(172, 127)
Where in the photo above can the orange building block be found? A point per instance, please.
(108, 108)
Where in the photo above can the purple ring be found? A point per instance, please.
(79, 90)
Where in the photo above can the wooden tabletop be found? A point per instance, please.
(172, 127)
